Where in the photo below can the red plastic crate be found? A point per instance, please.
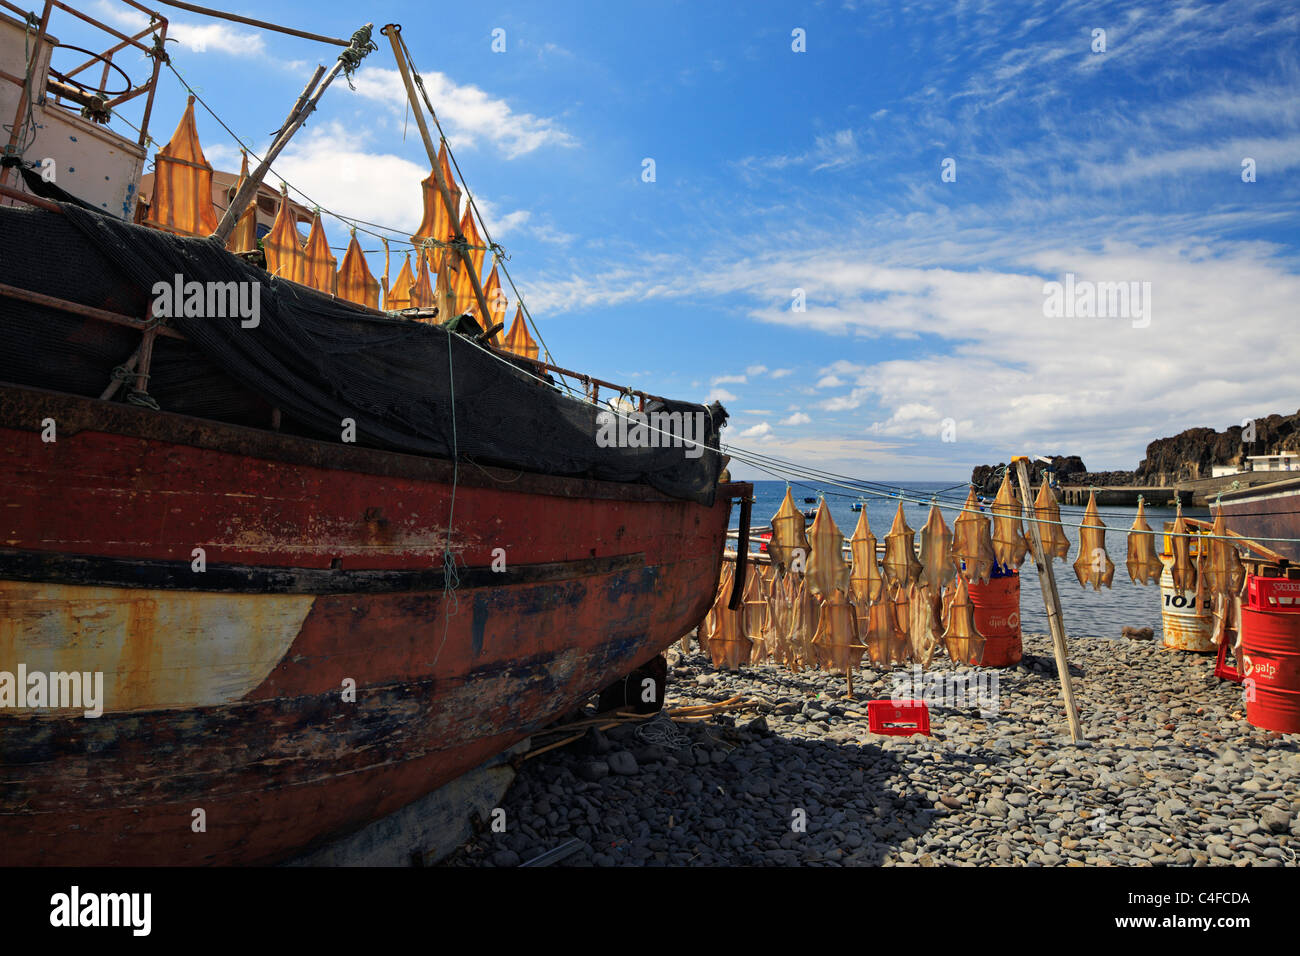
(898, 718)
(1272, 594)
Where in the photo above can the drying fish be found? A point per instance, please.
(1009, 544)
(1225, 570)
(826, 570)
(789, 545)
(1227, 622)
(864, 578)
(972, 545)
(728, 646)
(1143, 565)
(1181, 570)
(964, 643)
(937, 568)
(898, 599)
(754, 614)
(884, 644)
(1093, 566)
(901, 564)
(709, 625)
(924, 632)
(836, 642)
(780, 596)
(806, 614)
(1047, 512)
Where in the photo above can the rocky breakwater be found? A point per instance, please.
(1170, 774)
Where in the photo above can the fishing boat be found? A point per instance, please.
(1268, 512)
(267, 578)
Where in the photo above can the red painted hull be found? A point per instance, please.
(324, 568)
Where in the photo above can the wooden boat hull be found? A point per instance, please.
(321, 670)
(1268, 511)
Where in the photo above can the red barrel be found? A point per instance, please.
(997, 617)
(1270, 653)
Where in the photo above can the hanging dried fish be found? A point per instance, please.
(1225, 570)
(876, 626)
(964, 643)
(1047, 512)
(836, 641)
(1143, 565)
(709, 626)
(1093, 566)
(1227, 622)
(1181, 570)
(807, 610)
(826, 569)
(754, 613)
(898, 599)
(972, 545)
(937, 568)
(789, 545)
(780, 596)
(924, 631)
(864, 578)
(901, 564)
(728, 646)
(1009, 544)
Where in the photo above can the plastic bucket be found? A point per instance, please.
(997, 617)
(1270, 653)
(1186, 627)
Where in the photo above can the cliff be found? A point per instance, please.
(1189, 454)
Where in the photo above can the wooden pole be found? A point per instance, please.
(296, 118)
(393, 32)
(235, 18)
(1051, 597)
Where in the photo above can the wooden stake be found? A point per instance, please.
(297, 116)
(1051, 597)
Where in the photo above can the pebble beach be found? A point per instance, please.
(1169, 774)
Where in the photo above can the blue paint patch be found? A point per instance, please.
(480, 621)
(73, 138)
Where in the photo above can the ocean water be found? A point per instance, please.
(1087, 613)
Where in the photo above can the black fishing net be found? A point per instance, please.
(319, 360)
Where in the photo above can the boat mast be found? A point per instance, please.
(306, 103)
(393, 32)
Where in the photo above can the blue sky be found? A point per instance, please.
(820, 170)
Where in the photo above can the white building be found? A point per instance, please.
(1282, 461)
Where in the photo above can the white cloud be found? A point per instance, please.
(780, 372)
(192, 38)
(719, 395)
(756, 370)
(761, 430)
(798, 418)
(729, 380)
(472, 117)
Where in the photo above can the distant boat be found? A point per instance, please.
(856, 506)
(810, 513)
(810, 501)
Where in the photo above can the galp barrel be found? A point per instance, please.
(997, 617)
(1270, 653)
